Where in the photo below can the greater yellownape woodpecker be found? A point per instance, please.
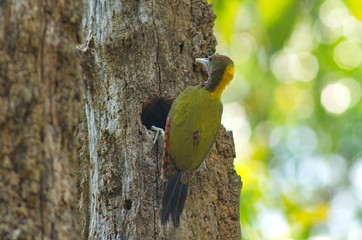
(191, 128)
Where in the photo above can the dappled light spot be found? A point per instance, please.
(276, 137)
(324, 34)
(301, 140)
(273, 224)
(302, 38)
(354, 88)
(234, 118)
(336, 98)
(245, 46)
(313, 173)
(288, 66)
(304, 67)
(356, 175)
(279, 66)
(320, 237)
(333, 13)
(292, 100)
(352, 29)
(298, 140)
(343, 210)
(347, 55)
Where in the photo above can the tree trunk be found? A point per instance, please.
(40, 104)
(137, 57)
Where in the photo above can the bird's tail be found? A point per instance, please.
(173, 200)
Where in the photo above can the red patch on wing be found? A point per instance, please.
(167, 165)
(196, 137)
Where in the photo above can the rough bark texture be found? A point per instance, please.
(137, 57)
(40, 104)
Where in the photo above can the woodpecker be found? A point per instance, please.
(191, 129)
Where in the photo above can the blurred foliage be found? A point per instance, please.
(295, 110)
(356, 8)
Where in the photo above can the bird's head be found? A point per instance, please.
(215, 63)
(221, 71)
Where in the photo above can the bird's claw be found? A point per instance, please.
(158, 131)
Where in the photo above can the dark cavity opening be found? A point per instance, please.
(127, 204)
(155, 114)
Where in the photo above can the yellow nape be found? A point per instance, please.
(225, 80)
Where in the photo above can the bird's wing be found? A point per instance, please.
(195, 120)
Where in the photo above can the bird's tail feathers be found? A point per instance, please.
(173, 200)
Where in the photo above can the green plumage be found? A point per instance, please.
(195, 121)
(192, 126)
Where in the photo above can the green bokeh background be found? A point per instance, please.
(295, 109)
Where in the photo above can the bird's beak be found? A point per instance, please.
(204, 62)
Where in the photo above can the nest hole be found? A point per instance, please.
(155, 114)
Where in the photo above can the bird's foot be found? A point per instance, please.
(158, 131)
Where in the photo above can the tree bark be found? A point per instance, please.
(40, 104)
(137, 57)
